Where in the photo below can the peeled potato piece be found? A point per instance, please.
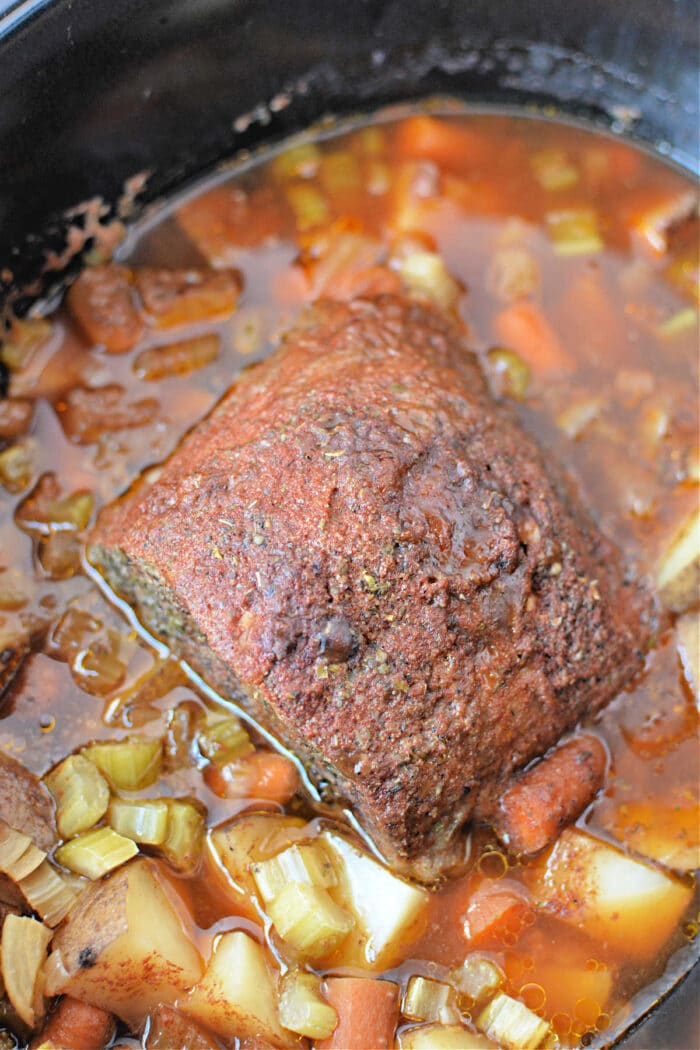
(688, 631)
(678, 572)
(618, 900)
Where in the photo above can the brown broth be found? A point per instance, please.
(619, 411)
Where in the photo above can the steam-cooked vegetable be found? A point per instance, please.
(250, 839)
(477, 978)
(96, 852)
(388, 909)
(302, 1007)
(22, 955)
(185, 836)
(81, 794)
(308, 919)
(678, 572)
(426, 273)
(574, 231)
(177, 359)
(19, 856)
(145, 821)
(238, 994)
(428, 1000)
(512, 1025)
(620, 900)
(48, 893)
(224, 740)
(75, 1025)
(307, 862)
(688, 630)
(442, 1037)
(124, 947)
(128, 764)
(367, 1011)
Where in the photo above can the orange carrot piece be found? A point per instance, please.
(260, 775)
(75, 1025)
(101, 302)
(368, 1011)
(542, 801)
(523, 327)
(496, 914)
(442, 141)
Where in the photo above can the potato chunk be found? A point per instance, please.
(619, 900)
(678, 572)
(124, 947)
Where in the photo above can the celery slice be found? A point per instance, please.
(145, 821)
(300, 161)
(224, 740)
(48, 893)
(183, 843)
(309, 206)
(553, 170)
(22, 955)
(308, 863)
(128, 764)
(428, 1000)
(425, 272)
(19, 856)
(303, 1009)
(442, 1037)
(81, 794)
(574, 231)
(96, 852)
(339, 172)
(309, 920)
(512, 1025)
(477, 978)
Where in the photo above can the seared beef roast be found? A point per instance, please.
(368, 552)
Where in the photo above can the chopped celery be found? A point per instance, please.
(512, 1025)
(425, 272)
(511, 371)
(372, 140)
(145, 821)
(128, 764)
(15, 590)
(682, 321)
(308, 863)
(307, 918)
(25, 337)
(553, 169)
(183, 843)
(308, 205)
(19, 856)
(96, 852)
(48, 893)
(300, 161)
(442, 1037)
(251, 838)
(22, 955)
(477, 978)
(574, 231)
(428, 1000)
(73, 511)
(17, 465)
(224, 740)
(339, 172)
(81, 794)
(303, 1009)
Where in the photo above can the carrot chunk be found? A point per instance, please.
(368, 1011)
(75, 1025)
(101, 301)
(261, 775)
(176, 297)
(442, 141)
(523, 327)
(551, 795)
(496, 914)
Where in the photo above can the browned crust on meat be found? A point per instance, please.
(363, 476)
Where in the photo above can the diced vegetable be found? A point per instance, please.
(177, 297)
(367, 1010)
(428, 1000)
(252, 838)
(523, 328)
(477, 978)
(442, 141)
(688, 631)
(15, 590)
(497, 913)
(238, 992)
(98, 669)
(657, 223)
(442, 1037)
(170, 1030)
(19, 856)
(388, 909)
(22, 955)
(102, 303)
(513, 273)
(307, 862)
(669, 834)
(339, 172)
(224, 740)
(579, 414)
(299, 161)
(59, 554)
(682, 321)
(302, 1007)
(678, 572)
(75, 1025)
(96, 852)
(15, 416)
(554, 170)
(510, 373)
(309, 206)
(89, 414)
(48, 893)
(177, 359)
(306, 917)
(574, 231)
(17, 465)
(145, 821)
(426, 273)
(128, 764)
(512, 1025)
(260, 775)
(26, 336)
(81, 794)
(183, 843)
(123, 947)
(622, 901)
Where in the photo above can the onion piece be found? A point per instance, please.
(22, 956)
(19, 856)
